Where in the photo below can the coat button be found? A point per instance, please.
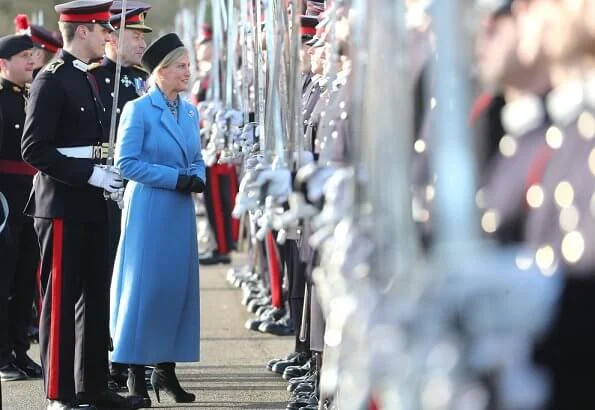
(17, 126)
(83, 109)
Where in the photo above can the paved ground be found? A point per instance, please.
(231, 374)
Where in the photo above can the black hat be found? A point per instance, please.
(41, 37)
(85, 12)
(135, 20)
(12, 45)
(159, 49)
(45, 39)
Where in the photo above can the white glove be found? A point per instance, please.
(108, 179)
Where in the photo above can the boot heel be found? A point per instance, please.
(156, 386)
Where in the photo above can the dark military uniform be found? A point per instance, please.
(19, 255)
(520, 162)
(65, 111)
(133, 84)
(561, 226)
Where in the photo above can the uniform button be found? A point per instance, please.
(508, 146)
(112, 94)
(419, 146)
(573, 246)
(554, 137)
(535, 196)
(17, 126)
(343, 115)
(545, 258)
(107, 81)
(564, 194)
(342, 105)
(490, 221)
(118, 110)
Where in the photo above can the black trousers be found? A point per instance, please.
(218, 204)
(73, 333)
(19, 258)
(296, 280)
(568, 349)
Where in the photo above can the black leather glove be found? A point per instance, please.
(189, 183)
(183, 184)
(197, 185)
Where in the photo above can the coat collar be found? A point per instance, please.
(167, 119)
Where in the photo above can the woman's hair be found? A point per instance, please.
(168, 60)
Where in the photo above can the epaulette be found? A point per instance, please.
(141, 68)
(53, 66)
(93, 66)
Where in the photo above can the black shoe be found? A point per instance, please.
(28, 366)
(117, 377)
(110, 400)
(136, 384)
(296, 371)
(10, 372)
(303, 401)
(309, 378)
(215, 259)
(272, 362)
(298, 402)
(164, 378)
(282, 327)
(297, 360)
(302, 388)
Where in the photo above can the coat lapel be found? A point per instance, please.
(168, 121)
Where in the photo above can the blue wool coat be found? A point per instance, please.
(155, 307)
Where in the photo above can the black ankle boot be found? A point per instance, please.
(164, 378)
(136, 383)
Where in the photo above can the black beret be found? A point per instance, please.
(12, 45)
(159, 49)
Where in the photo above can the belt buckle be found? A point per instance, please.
(100, 152)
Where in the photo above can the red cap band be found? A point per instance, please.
(47, 46)
(305, 31)
(99, 17)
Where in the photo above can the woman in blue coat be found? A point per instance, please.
(154, 309)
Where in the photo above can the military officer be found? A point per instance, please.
(522, 149)
(133, 84)
(64, 129)
(561, 223)
(46, 44)
(19, 255)
(308, 30)
(133, 78)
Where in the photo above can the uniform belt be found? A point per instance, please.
(87, 152)
(16, 167)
